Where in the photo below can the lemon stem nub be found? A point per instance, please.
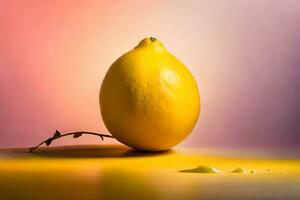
(152, 39)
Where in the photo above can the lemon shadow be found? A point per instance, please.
(82, 151)
(95, 151)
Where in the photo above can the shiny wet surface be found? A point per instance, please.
(117, 172)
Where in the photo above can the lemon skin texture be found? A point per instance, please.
(148, 99)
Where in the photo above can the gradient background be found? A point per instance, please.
(245, 56)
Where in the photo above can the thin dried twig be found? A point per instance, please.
(76, 134)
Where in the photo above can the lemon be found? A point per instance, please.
(148, 99)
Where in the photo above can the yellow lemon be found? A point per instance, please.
(149, 100)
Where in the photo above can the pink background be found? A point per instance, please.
(244, 55)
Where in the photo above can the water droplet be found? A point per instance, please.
(202, 169)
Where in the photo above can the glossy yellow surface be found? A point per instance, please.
(149, 100)
(116, 172)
